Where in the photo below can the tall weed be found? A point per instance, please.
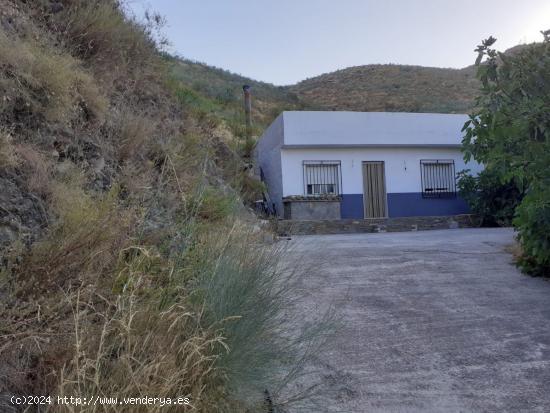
(248, 294)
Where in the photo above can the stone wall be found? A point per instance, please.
(350, 226)
(312, 209)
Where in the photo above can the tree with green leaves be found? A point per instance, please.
(509, 132)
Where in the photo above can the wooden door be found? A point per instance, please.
(374, 189)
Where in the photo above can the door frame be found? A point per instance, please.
(363, 163)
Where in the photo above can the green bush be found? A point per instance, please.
(247, 291)
(509, 133)
(533, 225)
(491, 199)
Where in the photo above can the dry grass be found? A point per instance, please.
(38, 80)
(515, 250)
(134, 131)
(37, 168)
(98, 32)
(8, 153)
(139, 349)
(81, 246)
(79, 252)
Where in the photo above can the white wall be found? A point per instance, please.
(372, 128)
(268, 156)
(402, 166)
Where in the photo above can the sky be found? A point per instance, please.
(285, 41)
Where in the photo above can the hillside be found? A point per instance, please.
(394, 88)
(362, 88)
(391, 88)
(220, 92)
(130, 264)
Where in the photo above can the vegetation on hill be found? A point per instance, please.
(510, 134)
(392, 88)
(362, 88)
(129, 265)
(226, 88)
(218, 93)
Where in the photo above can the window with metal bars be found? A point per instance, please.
(322, 178)
(438, 178)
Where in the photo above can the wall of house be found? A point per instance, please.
(314, 209)
(368, 128)
(268, 157)
(403, 181)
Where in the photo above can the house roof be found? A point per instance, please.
(323, 129)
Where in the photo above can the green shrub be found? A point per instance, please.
(509, 133)
(247, 293)
(493, 201)
(213, 205)
(533, 225)
(252, 189)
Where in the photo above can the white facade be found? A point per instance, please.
(402, 166)
(399, 140)
(371, 128)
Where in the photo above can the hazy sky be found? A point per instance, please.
(285, 41)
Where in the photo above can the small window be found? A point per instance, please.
(438, 178)
(321, 178)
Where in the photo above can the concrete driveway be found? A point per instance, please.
(432, 321)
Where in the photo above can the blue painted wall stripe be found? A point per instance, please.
(351, 206)
(409, 204)
(413, 205)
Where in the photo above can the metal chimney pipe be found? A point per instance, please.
(247, 107)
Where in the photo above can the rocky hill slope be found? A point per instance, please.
(129, 263)
(391, 88)
(361, 88)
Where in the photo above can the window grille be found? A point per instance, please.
(438, 178)
(322, 178)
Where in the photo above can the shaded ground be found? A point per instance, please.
(432, 321)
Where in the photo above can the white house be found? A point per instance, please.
(363, 164)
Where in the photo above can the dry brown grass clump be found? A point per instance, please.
(112, 43)
(37, 81)
(138, 347)
(8, 155)
(82, 244)
(38, 169)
